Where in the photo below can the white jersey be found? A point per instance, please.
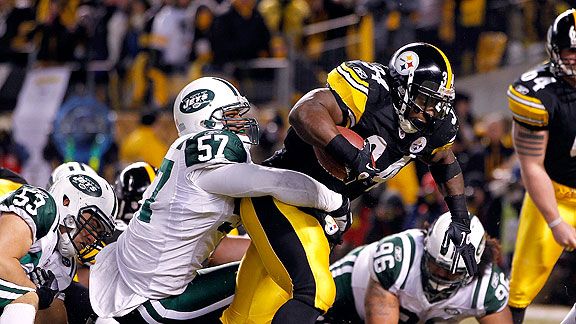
(38, 209)
(185, 213)
(394, 262)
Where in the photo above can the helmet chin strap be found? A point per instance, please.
(65, 245)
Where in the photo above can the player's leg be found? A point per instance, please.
(257, 296)
(535, 255)
(203, 300)
(295, 253)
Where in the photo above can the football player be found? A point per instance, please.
(406, 278)
(153, 272)
(405, 112)
(130, 186)
(40, 231)
(543, 105)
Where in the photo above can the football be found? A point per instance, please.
(330, 164)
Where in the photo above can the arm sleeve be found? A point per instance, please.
(252, 180)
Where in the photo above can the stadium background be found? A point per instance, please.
(94, 81)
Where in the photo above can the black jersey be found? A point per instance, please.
(540, 101)
(363, 92)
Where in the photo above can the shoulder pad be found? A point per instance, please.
(392, 259)
(214, 146)
(357, 83)
(525, 97)
(33, 204)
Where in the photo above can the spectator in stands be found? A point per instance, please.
(172, 35)
(15, 39)
(429, 206)
(59, 33)
(387, 217)
(239, 34)
(143, 144)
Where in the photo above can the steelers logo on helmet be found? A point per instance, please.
(562, 36)
(196, 100)
(86, 184)
(422, 87)
(407, 62)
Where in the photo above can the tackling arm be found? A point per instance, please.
(15, 241)
(531, 149)
(381, 306)
(251, 180)
(502, 317)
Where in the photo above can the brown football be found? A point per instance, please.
(329, 163)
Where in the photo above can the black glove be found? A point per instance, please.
(343, 215)
(358, 162)
(362, 166)
(458, 232)
(45, 286)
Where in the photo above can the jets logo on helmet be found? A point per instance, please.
(407, 62)
(196, 100)
(213, 103)
(86, 184)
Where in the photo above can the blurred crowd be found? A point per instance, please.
(132, 57)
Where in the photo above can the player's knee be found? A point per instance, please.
(320, 294)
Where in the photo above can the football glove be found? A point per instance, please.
(362, 167)
(343, 215)
(458, 233)
(46, 286)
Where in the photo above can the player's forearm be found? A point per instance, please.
(11, 271)
(381, 306)
(251, 180)
(539, 187)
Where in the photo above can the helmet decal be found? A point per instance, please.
(407, 62)
(196, 100)
(86, 184)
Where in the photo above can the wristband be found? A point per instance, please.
(339, 147)
(555, 222)
(457, 206)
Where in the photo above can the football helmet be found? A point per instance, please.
(437, 280)
(77, 195)
(562, 35)
(422, 81)
(214, 103)
(130, 186)
(68, 168)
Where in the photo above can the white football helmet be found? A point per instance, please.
(68, 168)
(206, 103)
(437, 280)
(75, 195)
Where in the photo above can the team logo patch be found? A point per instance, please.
(418, 145)
(196, 100)
(398, 254)
(360, 72)
(522, 89)
(406, 63)
(330, 227)
(494, 281)
(452, 311)
(66, 262)
(86, 184)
